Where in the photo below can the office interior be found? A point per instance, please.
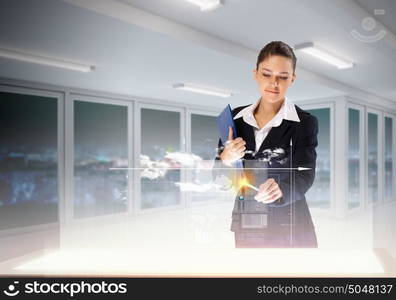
(106, 163)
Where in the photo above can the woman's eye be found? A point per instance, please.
(269, 75)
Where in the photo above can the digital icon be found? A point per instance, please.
(12, 291)
(369, 24)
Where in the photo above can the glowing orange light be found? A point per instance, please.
(243, 182)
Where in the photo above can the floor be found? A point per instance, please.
(197, 242)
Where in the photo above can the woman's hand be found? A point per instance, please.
(269, 192)
(233, 150)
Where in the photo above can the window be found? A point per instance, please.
(100, 143)
(319, 194)
(28, 160)
(388, 188)
(354, 154)
(204, 139)
(372, 157)
(204, 136)
(160, 148)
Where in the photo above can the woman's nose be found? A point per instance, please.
(274, 82)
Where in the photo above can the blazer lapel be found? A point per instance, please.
(247, 133)
(275, 135)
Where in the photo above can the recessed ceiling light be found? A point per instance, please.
(322, 54)
(207, 5)
(202, 90)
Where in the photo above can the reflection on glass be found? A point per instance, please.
(204, 139)
(204, 136)
(372, 155)
(353, 158)
(388, 189)
(160, 136)
(28, 160)
(319, 194)
(100, 143)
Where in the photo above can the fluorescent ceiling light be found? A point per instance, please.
(207, 5)
(202, 90)
(317, 52)
(47, 61)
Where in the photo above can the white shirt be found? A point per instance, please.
(287, 112)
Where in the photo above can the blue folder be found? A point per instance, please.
(224, 120)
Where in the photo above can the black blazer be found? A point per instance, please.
(299, 139)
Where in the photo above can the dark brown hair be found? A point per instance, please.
(277, 48)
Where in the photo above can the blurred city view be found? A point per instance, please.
(29, 191)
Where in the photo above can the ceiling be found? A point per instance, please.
(169, 41)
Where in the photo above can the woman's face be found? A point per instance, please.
(274, 76)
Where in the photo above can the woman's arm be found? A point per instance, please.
(303, 155)
(228, 154)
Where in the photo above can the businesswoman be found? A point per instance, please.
(272, 128)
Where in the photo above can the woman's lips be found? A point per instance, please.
(272, 92)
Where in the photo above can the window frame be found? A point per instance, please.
(194, 111)
(60, 98)
(362, 155)
(331, 105)
(137, 142)
(393, 118)
(69, 219)
(369, 204)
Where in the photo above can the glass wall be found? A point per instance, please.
(28, 160)
(204, 136)
(354, 154)
(29, 183)
(372, 157)
(389, 140)
(319, 194)
(100, 143)
(204, 139)
(160, 152)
